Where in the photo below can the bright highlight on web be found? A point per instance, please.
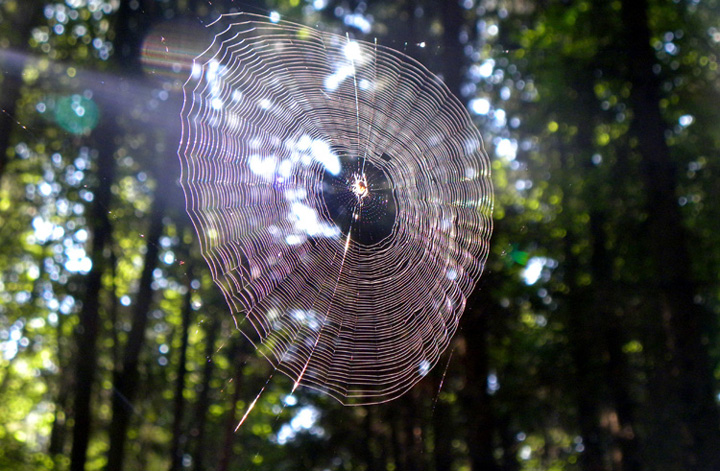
(342, 199)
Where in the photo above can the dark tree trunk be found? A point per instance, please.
(203, 401)
(23, 20)
(583, 328)
(56, 447)
(176, 452)
(371, 459)
(454, 60)
(618, 377)
(89, 325)
(585, 317)
(474, 397)
(126, 378)
(113, 310)
(133, 19)
(510, 446)
(413, 433)
(231, 421)
(592, 318)
(59, 431)
(399, 449)
(385, 439)
(9, 96)
(626, 438)
(696, 420)
(443, 430)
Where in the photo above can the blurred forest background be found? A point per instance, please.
(591, 343)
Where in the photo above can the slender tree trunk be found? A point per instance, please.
(113, 311)
(59, 431)
(688, 372)
(9, 96)
(89, 325)
(203, 402)
(510, 446)
(408, 411)
(592, 319)
(443, 430)
(399, 449)
(127, 42)
(14, 62)
(583, 326)
(453, 50)
(371, 460)
(57, 434)
(126, 378)
(475, 398)
(232, 420)
(618, 377)
(415, 458)
(385, 439)
(133, 18)
(626, 439)
(176, 452)
(584, 321)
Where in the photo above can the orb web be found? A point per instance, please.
(342, 199)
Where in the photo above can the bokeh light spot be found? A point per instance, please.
(76, 114)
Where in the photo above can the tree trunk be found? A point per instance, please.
(443, 427)
(368, 443)
(385, 439)
(131, 24)
(583, 327)
(475, 398)
(231, 421)
(618, 378)
(126, 378)
(14, 61)
(696, 420)
(89, 325)
(585, 317)
(203, 402)
(176, 452)
(59, 427)
(59, 431)
(399, 448)
(626, 438)
(413, 433)
(596, 340)
(510, 445)
(454, 60)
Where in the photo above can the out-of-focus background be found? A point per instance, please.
(591, 341)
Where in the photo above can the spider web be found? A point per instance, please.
(342, 200)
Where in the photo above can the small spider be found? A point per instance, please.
(360, 186)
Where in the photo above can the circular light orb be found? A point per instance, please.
(76, 114)
(168, 50)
